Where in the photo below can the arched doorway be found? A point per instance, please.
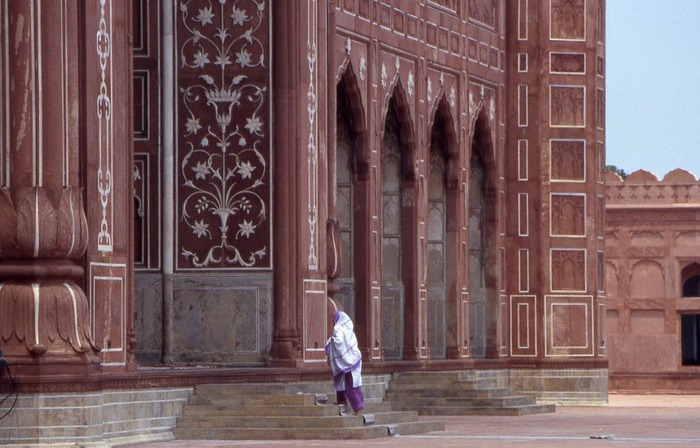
(391, 235)
(690, 278)
(483, 288)
(345, 194)
(440, 210)
(352, 209)
(690, 321)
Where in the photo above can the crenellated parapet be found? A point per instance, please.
(644, 187)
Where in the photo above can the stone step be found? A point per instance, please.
(420, 403)
(228, 390)
(291, 411)
(509, 411)
(444, 382)
(411, 390)
(222, 408)
(459, 393)
(335, 421)
(357, 433)
(262, 410)
(373, 391)
(244, 400)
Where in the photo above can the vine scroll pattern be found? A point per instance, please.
(223, 131)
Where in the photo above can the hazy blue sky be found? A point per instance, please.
(653, 85)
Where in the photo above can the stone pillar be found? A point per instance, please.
(43, 229)
(300, 178)
(286, 343)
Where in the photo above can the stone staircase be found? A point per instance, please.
(459, 393)
(289, 411)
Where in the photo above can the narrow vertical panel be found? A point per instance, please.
(523, 62)
(423, 324)
(602, 329)
(522, 105)
(315, 293)
(502, 213)
(107, 294)
(502, 269)
(600, 161)
(376, 333)
(505, 325)
(523, 325)
(522, 340)
(600, 109)
(523, 169)
(464, 324)
(601, 271)
(464, 263)
(523, 214)
(524, 270)
(522, 19)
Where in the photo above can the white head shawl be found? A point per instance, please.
(342, 346)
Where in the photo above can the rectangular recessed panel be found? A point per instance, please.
(569, 325)
(107, 296)
(524, 270)
(523, 169)
(522, 19)
(522, 105)
(315, 304)
(523, 321)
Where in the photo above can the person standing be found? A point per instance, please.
(346, 362)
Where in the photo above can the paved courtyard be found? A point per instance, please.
(643, 421)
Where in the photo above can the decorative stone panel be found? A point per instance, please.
(568, 159)
(223, 135)
(568, 214)
(483, 12)
(567, 63)
(567, 106)
(568, 270)
(567, 20)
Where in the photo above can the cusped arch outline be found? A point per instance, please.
(403, 114)
(481, 139)
(349, 88)
(442, 115)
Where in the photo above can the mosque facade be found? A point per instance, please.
(185, 183)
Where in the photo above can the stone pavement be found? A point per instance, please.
(634, 421)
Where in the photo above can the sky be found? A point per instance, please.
(653, 85)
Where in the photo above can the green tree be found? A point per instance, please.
(620, 172)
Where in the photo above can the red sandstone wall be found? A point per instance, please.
(652, 234)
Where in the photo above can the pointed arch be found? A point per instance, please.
(397, 99)
(442, 120)
(349, 97)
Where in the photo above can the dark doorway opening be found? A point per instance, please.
(691, 286)
(690, 339)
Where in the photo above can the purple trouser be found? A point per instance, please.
(352, 395)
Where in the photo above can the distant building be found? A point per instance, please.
(653, 282)
(183, 184)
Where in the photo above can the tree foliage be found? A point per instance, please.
(620, 172)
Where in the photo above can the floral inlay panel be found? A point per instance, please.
(223, 130)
